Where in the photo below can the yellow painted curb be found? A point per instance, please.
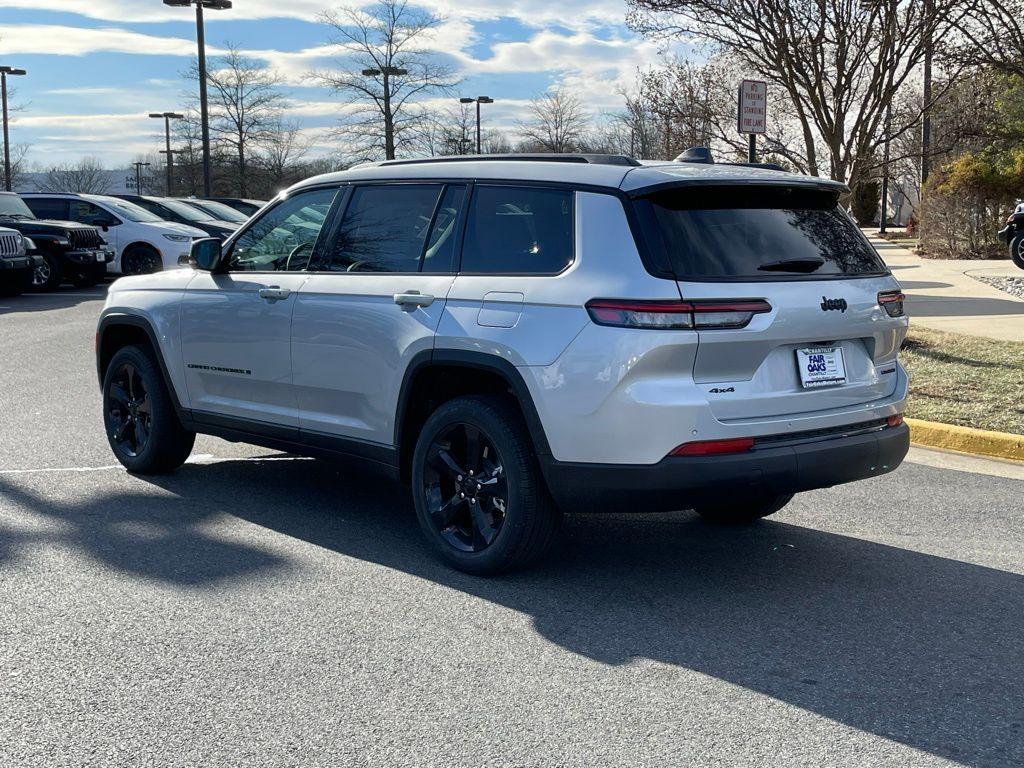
(966, 440)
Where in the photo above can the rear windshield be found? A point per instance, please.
(756, 233)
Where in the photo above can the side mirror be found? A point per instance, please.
(205, 254)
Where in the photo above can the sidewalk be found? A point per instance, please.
(942, 295)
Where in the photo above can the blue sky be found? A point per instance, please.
(98, 67)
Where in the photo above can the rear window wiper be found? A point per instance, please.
(808, 264)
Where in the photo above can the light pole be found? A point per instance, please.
(167, 117)
(386, 73)
(213, 5)
(479, 100)
(4, 72)
(138, 175)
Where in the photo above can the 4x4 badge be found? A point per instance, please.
(827, 304)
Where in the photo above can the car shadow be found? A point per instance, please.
(62, 298)
(919, 649)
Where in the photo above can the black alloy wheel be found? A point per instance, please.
(129, 414)
(141, 261)
(465, 488)
(1017, 250)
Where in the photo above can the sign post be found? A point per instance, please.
(752, 114)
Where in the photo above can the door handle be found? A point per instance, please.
(409, 301)
(274, 293)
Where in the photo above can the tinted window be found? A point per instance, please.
(440, 252)
(48, 207)
(516, 230)
(768, 232)
(283, 238)
(86, 213)
(384, 229)
(129, 211)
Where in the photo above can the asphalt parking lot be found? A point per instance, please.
(257, 609)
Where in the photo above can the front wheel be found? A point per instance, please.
(140, 260)
(479, 495)
(1017, 250)
(46, 276)
(141, 423)
(745, 509)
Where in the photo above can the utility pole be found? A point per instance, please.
(167, 117)
(885, 170)
(215, 5)
(386, 73)
(4, 72)
(926, 119)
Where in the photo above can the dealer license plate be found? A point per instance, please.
(821, 366)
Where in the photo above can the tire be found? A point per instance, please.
(744, 510)
(140, 260)
(47, 277)
(1017, 250)
(504, 526)
(138, 414)
(16, 284)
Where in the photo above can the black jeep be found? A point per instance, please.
(1013, 235)
(71, 252)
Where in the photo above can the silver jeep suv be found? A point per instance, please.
(515, 336)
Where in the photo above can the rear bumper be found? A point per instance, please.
(678, 482)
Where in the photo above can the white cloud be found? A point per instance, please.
(77, 41)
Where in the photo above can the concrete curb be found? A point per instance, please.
(932, 434)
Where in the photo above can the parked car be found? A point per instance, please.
(242, 205)
(170, 209)
(16, 266)
(1013, 235)
(67, 252)
(217, 210)
(142, 242)
(518, 337)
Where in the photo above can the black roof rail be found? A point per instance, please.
(543, 157)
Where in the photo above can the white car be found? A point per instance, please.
(514, 336)
(142, 242)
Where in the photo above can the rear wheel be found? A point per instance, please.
(1017, 250)
(47, 276)
(142, 426)
(140, 260)
(746, 509)
(478, 490)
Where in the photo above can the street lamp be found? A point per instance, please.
(479, 100)
(138, 175)
(213, 5)
(167, 117)
(4, 72)
(389, 127)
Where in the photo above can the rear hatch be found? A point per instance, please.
(822, 339)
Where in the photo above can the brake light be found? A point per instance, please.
(891, 302)
(714, 447)
(895, 421)
(676, 315)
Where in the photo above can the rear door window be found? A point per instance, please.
(518, 230)
(756, 234)
(48, 207)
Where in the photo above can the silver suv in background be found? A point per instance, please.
(517, 336)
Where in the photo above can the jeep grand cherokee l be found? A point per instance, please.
(513, 337)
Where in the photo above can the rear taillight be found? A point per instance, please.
(714, 447)
(676, 315)
(891, 302)
(894, 421)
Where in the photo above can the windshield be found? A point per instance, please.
(130, 211)
(184, 210)
(758, 233)
(14, 206)
(219, 210)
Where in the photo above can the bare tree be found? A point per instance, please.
(86, 176)
(383, 71)
(281, 160)
(991, 35)
(246, 104)
(19, 164)
(837, 62)
(558, 122)
(450, 132)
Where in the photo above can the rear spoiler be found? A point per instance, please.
(793, 181)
